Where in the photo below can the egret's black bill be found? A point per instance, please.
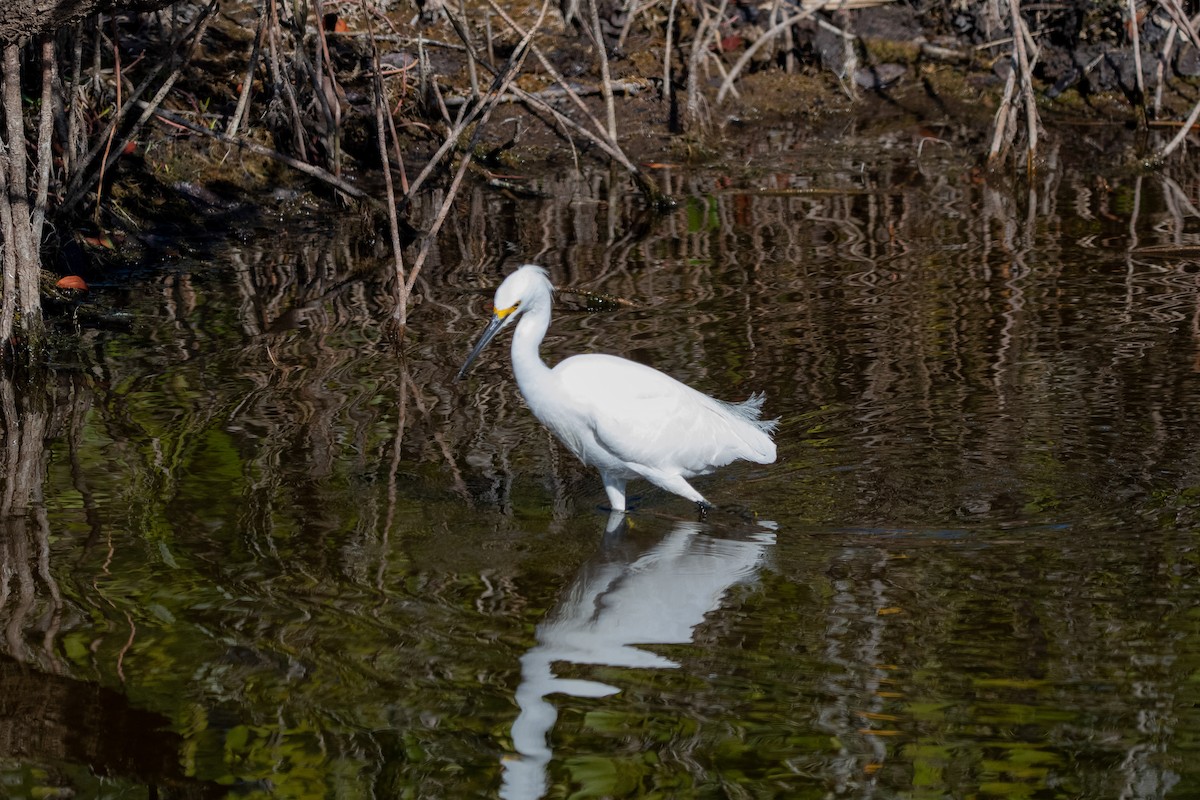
(489, 333)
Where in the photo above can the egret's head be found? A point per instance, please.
(526, 288)
(529, 285)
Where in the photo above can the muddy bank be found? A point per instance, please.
(722, 78)
(151, 126)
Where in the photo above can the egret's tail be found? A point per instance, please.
(756, 435)
(751, 411)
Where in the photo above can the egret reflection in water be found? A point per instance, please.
(626, 597)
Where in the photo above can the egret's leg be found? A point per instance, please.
(615, 488)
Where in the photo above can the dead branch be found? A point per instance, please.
(239, 113)
(381, 135)
(605, 77)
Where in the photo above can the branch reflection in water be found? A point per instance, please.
(623, 597)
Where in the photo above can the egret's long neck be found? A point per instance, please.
(527, 363)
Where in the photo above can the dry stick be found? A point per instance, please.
(666, 90)
(381, 135)
(789, 42)
(254, 147)
(472, 73)
(1179, 18)
(1164, 58)
(741, 63)
(1175, 11)
(112, 129)
(634, 9)
(329, 91)
(399, 156)
(699, 44)
(1022, 59)
(605, 77)
(277, 75)
(1181, 135)
(1003, 134)
(315, 79)
(45, 134)
(849, 56)
(1137, 56)
(74, 113)
(248, 81)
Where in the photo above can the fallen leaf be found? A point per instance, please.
(72, 282)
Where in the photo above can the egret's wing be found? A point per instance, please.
(643, 416)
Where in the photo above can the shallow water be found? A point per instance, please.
(253, 551)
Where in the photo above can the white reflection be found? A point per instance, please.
(620, 599)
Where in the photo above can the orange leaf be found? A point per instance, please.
(72, 282)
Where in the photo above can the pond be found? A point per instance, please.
(253, 551)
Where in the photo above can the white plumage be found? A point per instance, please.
(623, 418)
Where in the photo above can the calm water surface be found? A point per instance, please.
(253, 552)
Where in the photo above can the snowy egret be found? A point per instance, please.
(623, 418)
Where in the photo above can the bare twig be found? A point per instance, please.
(465, 33)
(605, 78)
(281, 81)
(112, 129)
(1024, 74)
(381, 132)
(243, 102)
(666, 87)
(1135, 35)
(329, 92)
(700, 46)
(1178, 138)
(549, 67)
(73, 147)
(1003, 134)
(1164, 58)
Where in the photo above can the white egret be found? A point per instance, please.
(623, 418)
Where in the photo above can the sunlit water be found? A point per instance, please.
(260, 553)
